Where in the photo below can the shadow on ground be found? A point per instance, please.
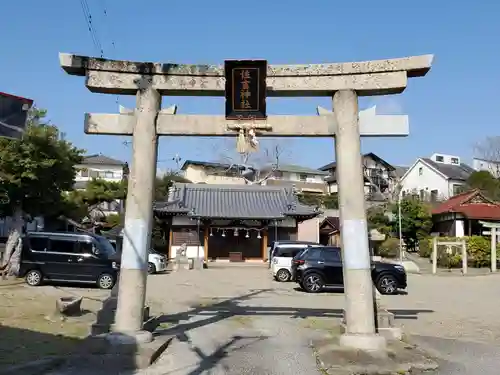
(335, 290)
(178, 324)
(26, 352)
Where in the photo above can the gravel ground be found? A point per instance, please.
(234, 319)
(242, 322)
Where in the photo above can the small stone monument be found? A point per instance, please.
(181, 258)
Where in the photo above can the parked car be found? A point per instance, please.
(68, 257)
(281, 257)
(318, 267)
(157, 262)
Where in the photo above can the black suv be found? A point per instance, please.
(319, 267)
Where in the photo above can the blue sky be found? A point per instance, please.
(450, 109)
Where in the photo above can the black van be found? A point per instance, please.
(70, 257)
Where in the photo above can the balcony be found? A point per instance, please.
(301, 186)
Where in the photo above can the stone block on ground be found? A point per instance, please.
(402, 358)
(69, 306)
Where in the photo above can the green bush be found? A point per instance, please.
(478, 252)
(425, 247)
(389, 248)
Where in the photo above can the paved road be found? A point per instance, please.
(458, 357)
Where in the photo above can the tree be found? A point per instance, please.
(489, 150)
(257, 162)
(328, 201)
(165, 182)
(87, 203)
(486, 183)
(416, 220)
(378, 219)
(34, 172)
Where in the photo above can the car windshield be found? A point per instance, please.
(105, 247)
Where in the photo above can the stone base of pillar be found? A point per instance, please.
(375, 344)
(129, 338)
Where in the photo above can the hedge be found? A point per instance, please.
(478, 251)
(389, 248)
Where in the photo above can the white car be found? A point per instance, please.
(157, 262)
(282, 255)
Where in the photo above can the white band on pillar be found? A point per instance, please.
(355, 243)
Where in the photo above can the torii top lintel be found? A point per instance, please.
(377, 77)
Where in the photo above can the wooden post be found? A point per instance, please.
(493, 249)
(205, 243)
(434, 255)
(170, 238)
(264, 245)
(464, 257)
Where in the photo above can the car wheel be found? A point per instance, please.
(151, 268)
(387, 284)
(313, 283)
(283, 275)
(106, 281)
(34, 278)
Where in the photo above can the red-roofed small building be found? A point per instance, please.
(460, 215)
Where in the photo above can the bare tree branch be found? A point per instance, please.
(489, 151)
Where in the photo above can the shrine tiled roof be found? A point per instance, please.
(472, 204)
(233, 202)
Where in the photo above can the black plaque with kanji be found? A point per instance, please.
(245, 89)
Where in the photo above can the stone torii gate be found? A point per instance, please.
(344, 82)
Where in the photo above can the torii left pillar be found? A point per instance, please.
(139, 218)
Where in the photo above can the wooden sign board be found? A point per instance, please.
(245, 89)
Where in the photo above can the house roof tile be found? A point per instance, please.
(471, 204)
(101, 159)
(233, 202)
(293, 168)
(459, 172)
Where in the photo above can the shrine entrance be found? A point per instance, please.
(246, 84)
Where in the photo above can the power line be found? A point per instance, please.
(90, 24)
(107, 23)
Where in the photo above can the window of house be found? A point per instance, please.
(278, 174)
(422, 194)
(84, 172)
(434, 195)
(420, 171)
(94, 174)
(454, 160)
(439, 158)
(303, 177)
(457, 189)
(109, 174)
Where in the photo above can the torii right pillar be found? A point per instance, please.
(359, 310)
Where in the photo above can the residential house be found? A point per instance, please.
(304, 179)
(436, 178)
(462, 214)
(230, 222)
(379, 176)
(101, 167)
(329, 231)
(487, 165)
(215, 173)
